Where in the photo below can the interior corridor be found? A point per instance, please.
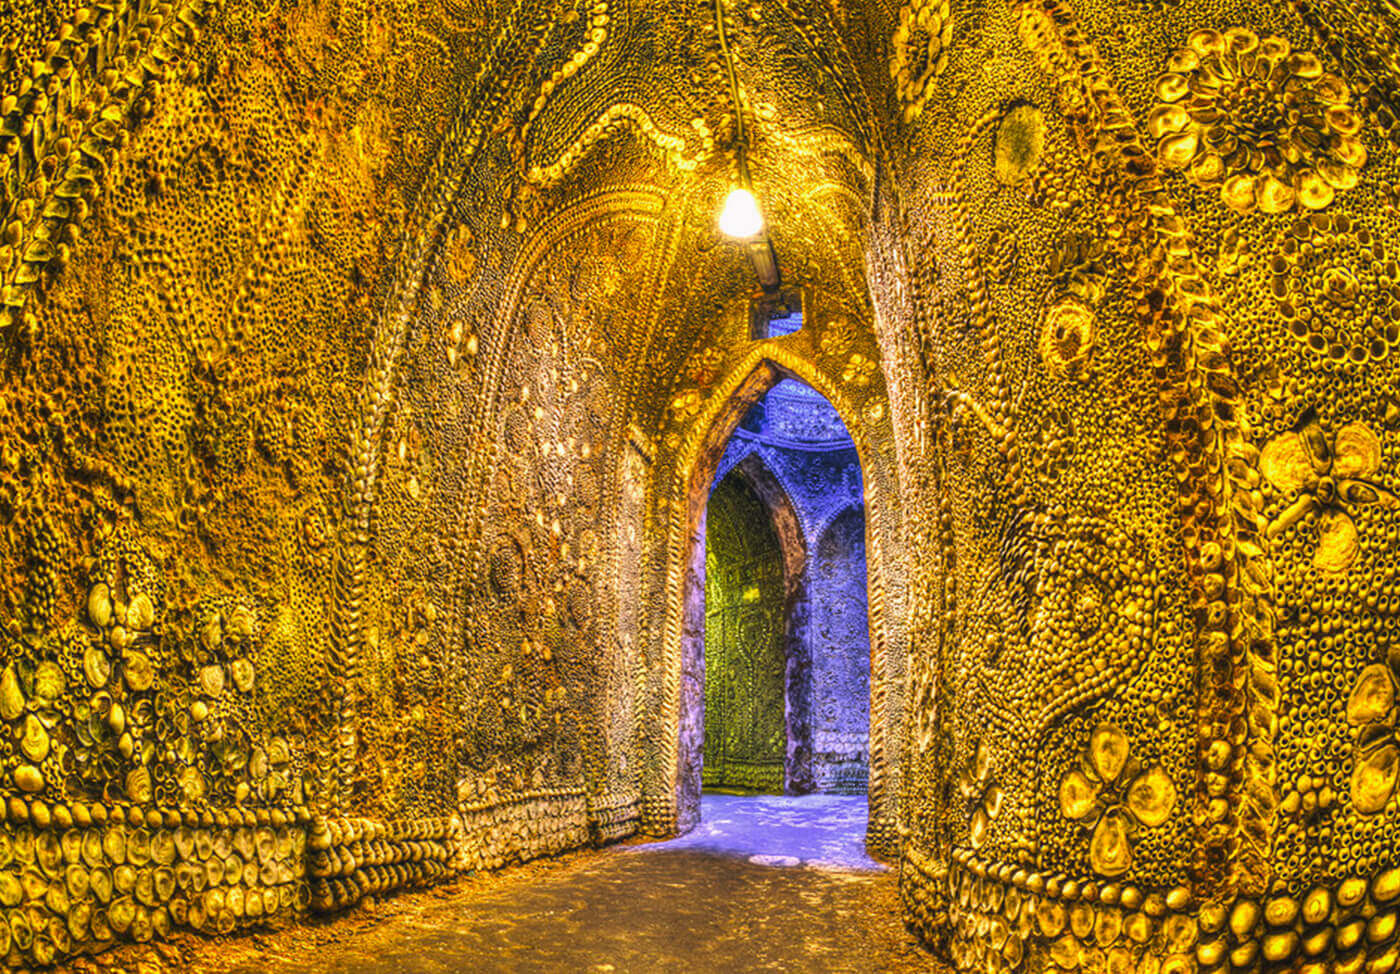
(764, 883)
(446, 443)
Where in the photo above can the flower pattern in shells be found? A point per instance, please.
(1264, 124)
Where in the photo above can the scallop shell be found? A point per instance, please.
(49, 682)
(141, 614)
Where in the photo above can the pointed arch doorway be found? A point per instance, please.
(672, 728)
(786, 676)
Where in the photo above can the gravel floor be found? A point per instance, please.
(763, 884)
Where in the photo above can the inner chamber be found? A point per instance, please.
(787, 644)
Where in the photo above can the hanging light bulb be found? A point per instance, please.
(741, 218)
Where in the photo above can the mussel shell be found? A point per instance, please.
(243, 676)
(21, 930)
(100, 882)
(138, 847)
(48, 853)
(34, 883)
(164, 883)
(77, 879)
(79, 917)
(97, 667)
(99, 926)
(124, 878)
(72, 843)
(184, 841)
(266, 842)
(56, 898)
(121, 913)
(163, 847)
(114, 844)
(11, 892)
(92, 848)
(146, 886)
(23, 844)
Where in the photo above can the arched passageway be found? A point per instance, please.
(786, 640)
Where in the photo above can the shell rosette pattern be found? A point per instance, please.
(1067, 338)
(919, 51)
(1112, 795)
(1331, 479)
(1371, 710)
(1263, 123)
(1338, 290)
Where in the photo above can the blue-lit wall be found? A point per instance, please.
(800, 438)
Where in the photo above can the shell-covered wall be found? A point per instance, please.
(364, 364)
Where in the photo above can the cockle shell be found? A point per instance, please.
(11, 697)
(34, 740)
(99, 605)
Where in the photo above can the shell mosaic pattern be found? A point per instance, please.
(359, 357)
